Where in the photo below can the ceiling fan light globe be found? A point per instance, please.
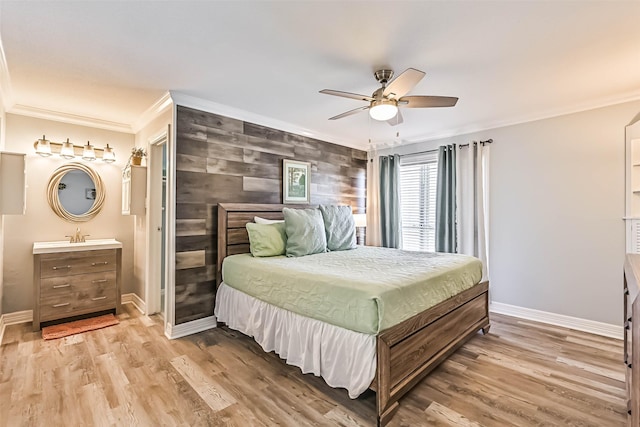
(383, 111)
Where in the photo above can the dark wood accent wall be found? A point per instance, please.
(224, 160)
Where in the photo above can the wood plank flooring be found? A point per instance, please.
(521, 374)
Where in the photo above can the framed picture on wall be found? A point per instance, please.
(296, 181)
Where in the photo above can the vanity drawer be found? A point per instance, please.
(82, 301)
(77, 263)
(54, 287)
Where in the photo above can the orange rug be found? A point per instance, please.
(78, 326)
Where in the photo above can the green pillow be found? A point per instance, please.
(266, 239)
(305, 232)
(339, 226)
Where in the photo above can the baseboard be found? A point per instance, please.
(13, 319)
(184, 329)
(27, 315)
(576, 323)
(134, 299)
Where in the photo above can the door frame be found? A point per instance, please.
(154, 239)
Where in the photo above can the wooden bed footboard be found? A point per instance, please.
(407, 352)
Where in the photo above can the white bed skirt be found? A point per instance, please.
(343, 358)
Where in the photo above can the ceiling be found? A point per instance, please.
(507, 61)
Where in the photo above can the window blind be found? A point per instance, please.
(418, 177)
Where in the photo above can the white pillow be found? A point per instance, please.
(259, 220)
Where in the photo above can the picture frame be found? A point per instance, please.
(296, 181)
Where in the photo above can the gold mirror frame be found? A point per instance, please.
(54, 200)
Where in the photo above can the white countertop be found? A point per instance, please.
(65, 246)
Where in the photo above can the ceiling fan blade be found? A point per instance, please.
(349, 113)
(427, 101)
(396, 120)
(347, 95)
(402, 84)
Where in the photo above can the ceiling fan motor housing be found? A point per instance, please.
(383, 76)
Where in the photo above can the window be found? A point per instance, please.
(418, 177)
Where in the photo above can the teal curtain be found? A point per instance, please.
(390, 201)
(446, 200)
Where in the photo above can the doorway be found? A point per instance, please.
(156, 226)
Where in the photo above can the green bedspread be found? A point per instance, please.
(367, 289)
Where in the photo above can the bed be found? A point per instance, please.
(396, 352)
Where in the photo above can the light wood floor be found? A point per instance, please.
(522, 373)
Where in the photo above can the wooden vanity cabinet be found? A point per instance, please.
(74, 283)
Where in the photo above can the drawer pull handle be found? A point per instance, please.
(66, 285)
(99, 281)
(93, 264)
(60, 305)
(98, 298)
(62, 266)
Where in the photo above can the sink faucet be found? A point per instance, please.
(77, 237)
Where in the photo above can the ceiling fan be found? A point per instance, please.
(385, 101)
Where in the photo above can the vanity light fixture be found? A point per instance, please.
(108, 155)
(88, 153)
(68, 151)
(43, 147)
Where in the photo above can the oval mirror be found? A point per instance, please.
(75, 192)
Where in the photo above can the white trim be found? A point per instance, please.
(75, 119)
(170, 232)
(224, 110)
(134, 299)
(188, 328)
(497, 124)
(14, 318)
(26, 316)
(152, 112)
(6, 90)
(153, 242)
(576, 323)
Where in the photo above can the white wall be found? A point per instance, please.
(40, 223)
(2, 123)
(557, 238)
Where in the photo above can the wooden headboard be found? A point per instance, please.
(232, 233)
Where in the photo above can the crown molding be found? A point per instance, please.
(236, 113)
(550, 114)
(157, 108)
(41, 113)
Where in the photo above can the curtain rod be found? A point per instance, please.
(419, 152)
(488, 141)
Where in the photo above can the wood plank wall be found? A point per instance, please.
(220, 160)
